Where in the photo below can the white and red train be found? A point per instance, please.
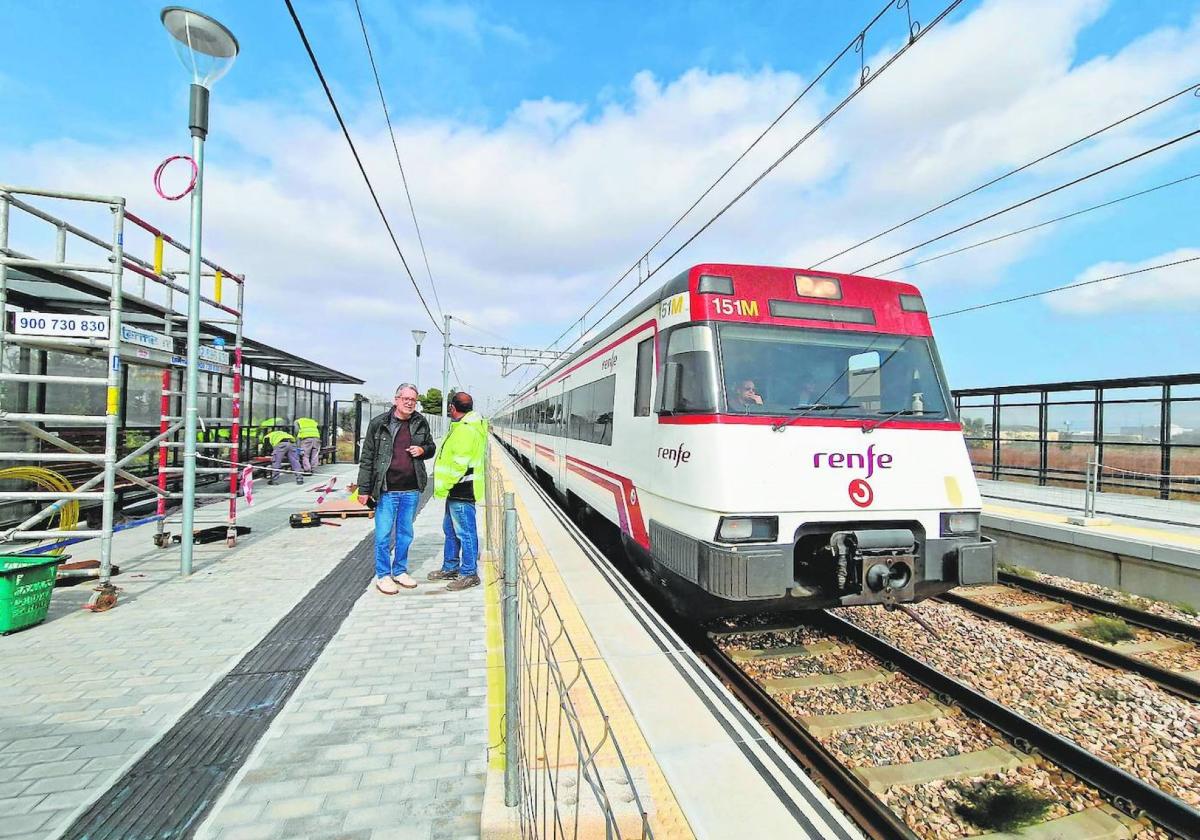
(765, 438)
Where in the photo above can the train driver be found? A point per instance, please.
(747, 397)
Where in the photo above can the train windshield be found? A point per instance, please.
(783, 370)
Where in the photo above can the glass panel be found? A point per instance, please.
(262, 400)
(691, 348)
(1185, 461)
(1022, 398)
(1132, 458)
(1185, 421)
(802, 371)
(603, 401)
(581, 413)
(977, 425)
(1185, 391)
(977, 399)
(1068, 457)
(1150, 392)
(1071, 396)
(1069, 422)
(287, 404)
(645, 374)
(1133, 422)
(1019, 422)
(1021, 455)
(981, 454)
(74, 399)
(143, 396)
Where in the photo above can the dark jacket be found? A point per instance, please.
(377, 453)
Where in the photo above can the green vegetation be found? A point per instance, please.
(996, 806)
(1019, 571)
(1107, 630)
(1184, 607)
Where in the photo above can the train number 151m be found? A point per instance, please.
(728, 306)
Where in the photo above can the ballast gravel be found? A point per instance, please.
(837, 700)
(1180, 612)
(909, 742)
(833, 662)
(1120, 717)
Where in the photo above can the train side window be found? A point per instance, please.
(579, 424)
(645, 376)
(603, 402)
(688, 380)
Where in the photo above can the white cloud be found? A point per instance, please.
(465, 22)
(1177, 287)
(526, 222)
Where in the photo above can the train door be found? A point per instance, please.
(561, 447)
(642, 422)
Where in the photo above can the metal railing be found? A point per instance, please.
(565, 770)
(1046, 433)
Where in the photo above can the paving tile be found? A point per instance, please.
(15, 825)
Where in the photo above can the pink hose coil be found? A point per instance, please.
(162, 167)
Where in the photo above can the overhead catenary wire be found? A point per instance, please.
(858, 39)
(471, 326)
(1025, 202)
(1056, 219)
(763, 175)
(1192, 88)
(1065, 287)
(396, 148)
(358, 160)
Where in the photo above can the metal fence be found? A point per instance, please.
(1144, 432)
(565, 769)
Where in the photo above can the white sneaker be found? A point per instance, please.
(405, 581)
(386, 585)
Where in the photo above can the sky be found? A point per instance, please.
(548, 146)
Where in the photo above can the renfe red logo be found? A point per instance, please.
(861, 493)
(854, 460)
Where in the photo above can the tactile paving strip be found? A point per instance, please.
(171, 789)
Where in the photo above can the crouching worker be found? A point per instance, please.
(459, 477)
(391, 474)
(283, 446)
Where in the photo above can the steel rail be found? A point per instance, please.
(1172, 681)
(1128, 792)
(866, 809)
(1133, 615)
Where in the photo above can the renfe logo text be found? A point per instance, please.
(677, 454)
(854, 460)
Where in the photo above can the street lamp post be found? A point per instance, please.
(418, 337)
(207, 50)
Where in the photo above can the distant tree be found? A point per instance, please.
(431, 401)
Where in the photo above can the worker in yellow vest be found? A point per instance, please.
(283, 445)
(308, 432)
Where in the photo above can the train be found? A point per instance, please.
(764, 439)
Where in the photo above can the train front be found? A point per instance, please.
(835, 470)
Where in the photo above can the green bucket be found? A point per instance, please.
(26, 584)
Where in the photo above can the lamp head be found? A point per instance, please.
(205, 47)
(418, 336)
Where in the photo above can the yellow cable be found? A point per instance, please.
(67, 511)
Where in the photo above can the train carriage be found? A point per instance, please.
(765, 438)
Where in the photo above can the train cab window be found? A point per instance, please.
(687, 383)
(645, 376)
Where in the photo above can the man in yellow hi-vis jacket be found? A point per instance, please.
(459, 477)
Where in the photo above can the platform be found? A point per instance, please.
(1148, 547)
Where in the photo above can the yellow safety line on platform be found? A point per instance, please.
(495, 655)
(667, 820)
(1132, 531)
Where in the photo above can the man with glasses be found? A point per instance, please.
(747, 396)
(391, 477)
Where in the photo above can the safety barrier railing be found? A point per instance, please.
(565, 770)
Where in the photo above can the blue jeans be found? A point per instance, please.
(394, 515)
(461, 538)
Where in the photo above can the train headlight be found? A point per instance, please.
(960, 523)
(748, 529)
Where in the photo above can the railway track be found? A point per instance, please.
(863, 786)
(1130, 656)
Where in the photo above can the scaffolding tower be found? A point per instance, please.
(83, 306)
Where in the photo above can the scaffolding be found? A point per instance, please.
(83, 306)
